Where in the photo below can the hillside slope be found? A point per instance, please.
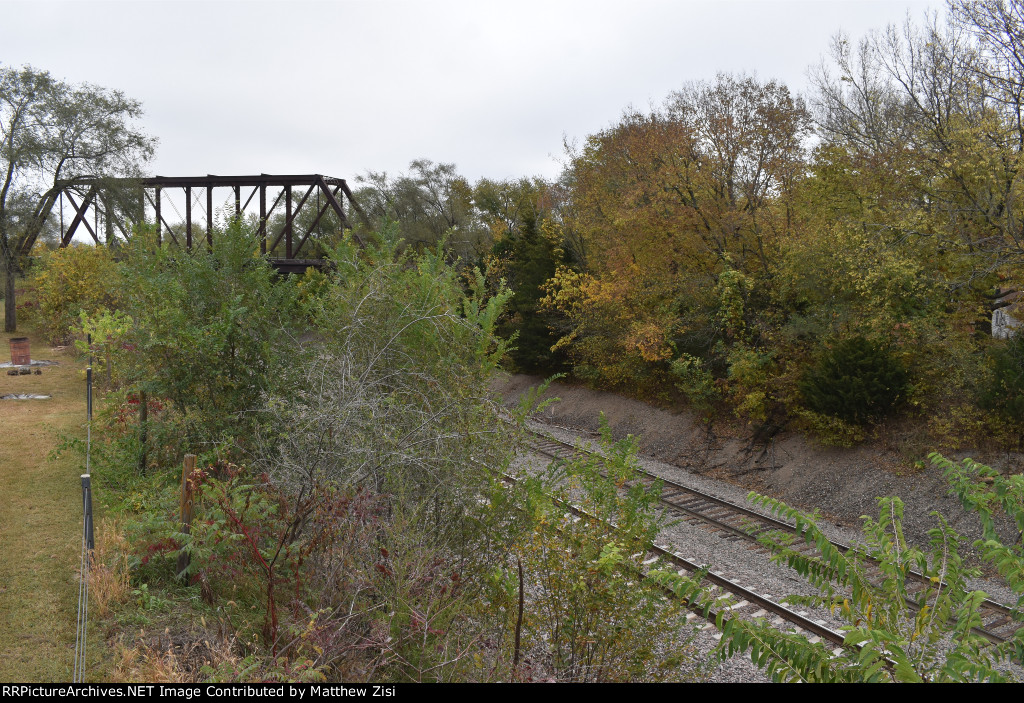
(842, 483)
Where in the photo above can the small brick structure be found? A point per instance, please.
(21, 354)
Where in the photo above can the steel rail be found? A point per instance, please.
(995, 615)
(818, 628)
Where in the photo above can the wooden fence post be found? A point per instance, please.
(186, 507)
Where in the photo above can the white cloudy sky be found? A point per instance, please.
(340, 87)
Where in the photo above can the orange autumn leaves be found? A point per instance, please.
(665, 202)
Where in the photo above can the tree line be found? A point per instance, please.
(818, 262)
(815, 262)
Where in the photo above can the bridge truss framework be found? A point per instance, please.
(106, 198)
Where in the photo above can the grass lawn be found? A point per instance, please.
(41, 520)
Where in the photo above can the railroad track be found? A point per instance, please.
(728, 597)
(736, 522)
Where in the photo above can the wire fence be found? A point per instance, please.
(88, 541)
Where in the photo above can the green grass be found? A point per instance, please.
(41, 521)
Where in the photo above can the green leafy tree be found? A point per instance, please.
(51, 131)
(431, 203)
(665, 203)
(210, 331)
(104, 329)
(937, 105)
(72, 281)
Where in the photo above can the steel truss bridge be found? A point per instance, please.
(110, 209)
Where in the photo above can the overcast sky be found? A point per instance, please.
(341, 87)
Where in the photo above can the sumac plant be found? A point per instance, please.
(593, 610)
(897, 630)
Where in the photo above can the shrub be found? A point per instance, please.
(750, 372)
(72, 281)
(311, 288)
(829, 430)
(210, 332)
(353, 524)
(1004, 392)
(592, 610)
(855, 381)
(696, 382)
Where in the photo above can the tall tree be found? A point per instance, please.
(529, 245)
(998, 26)
(937, 106)
(51, 131)
(429, 203)
(667, 201)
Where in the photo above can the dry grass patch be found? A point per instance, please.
(109, 578)
(40, 520)
(177, 657)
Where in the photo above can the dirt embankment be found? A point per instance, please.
(842, 483)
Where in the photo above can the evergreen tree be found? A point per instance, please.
(532, 259)
(856, 381)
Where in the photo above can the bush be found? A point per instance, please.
(71, 281)
(696, 382)
(829, 430)
(354, 522)
(856, 381)
(210, 332)
(592, 610)
(1004, 392)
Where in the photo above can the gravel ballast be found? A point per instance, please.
(834, 487)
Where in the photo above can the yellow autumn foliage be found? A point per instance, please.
(71, 281)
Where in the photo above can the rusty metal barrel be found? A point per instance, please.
(20, 353)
